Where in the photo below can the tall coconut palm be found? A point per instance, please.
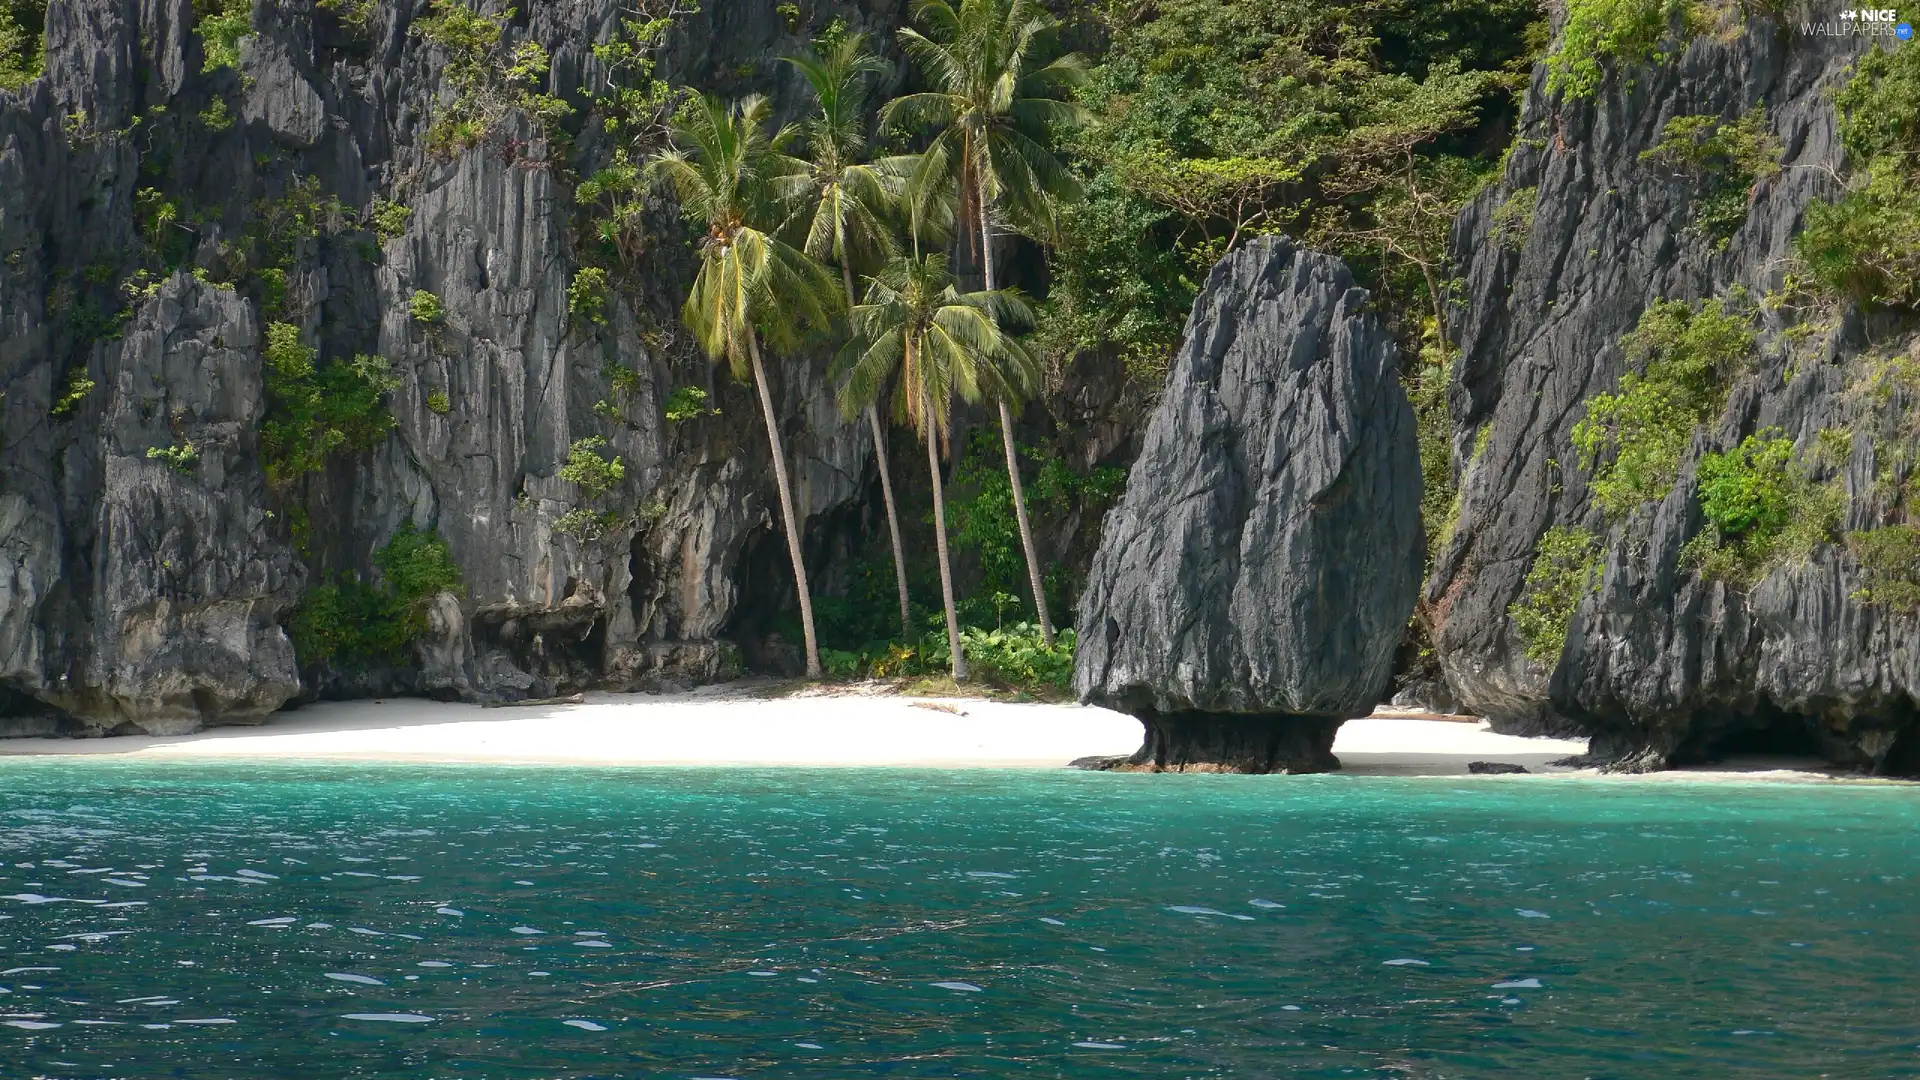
(843, 204)
(994, 103)
(940, 343)
(727, 171)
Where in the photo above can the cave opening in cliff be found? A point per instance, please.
(1765, 731)
(1903, 758)
(765, 623)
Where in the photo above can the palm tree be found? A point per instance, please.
(843, 213)
(994, 104)
(941, 343)
(726, 171)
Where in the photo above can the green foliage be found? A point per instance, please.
(78, 387)
(1763, 510)
(1359, 128)
(425, 308)
(1721, 161)
(180, 457)
(438, 403)
(216, 117)
(351, 624)
(313, 412)
(22, 28)
(1015, 655)
(1890, 559)
(1632, 440)
(222, 23)
(1625, 32)
(1426, 388)
(156, 214)
(1866, 246)
(356, 15)
(488, 78)
(1566, 566)
(982, 521)
(593, 474)
(587, 296)
(1513, 218)
(389, 219)
(633, 109)
(584, 524)
(279, 228)
(687, 403)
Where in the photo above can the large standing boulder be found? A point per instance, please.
(1252, 585)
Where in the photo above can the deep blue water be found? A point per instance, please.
(174, 920)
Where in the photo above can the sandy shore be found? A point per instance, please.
(738, 727)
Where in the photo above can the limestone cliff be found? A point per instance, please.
(1669, 656)
(149, 564)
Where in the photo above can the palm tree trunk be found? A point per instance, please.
(786, 507)
(940, 533)
(886, 486)
(1013, 460)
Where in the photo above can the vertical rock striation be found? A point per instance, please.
(152, 592)
(1251, 586)
(1560, 259)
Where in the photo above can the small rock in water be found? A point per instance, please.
(1494, 768)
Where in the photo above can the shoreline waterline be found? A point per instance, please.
(739, 726)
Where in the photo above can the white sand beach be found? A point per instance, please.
(742, 726)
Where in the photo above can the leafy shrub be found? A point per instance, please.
(488, 79)
(426, 308)
(1566, 566)
(1763, 510)
(351, 623)
(584, 524)
(78, 387)
(687, 403)
(586, 469)
(313, 411)
(587, 295)
(1890, 559)
(1623, 31)
(439, 403)
(1513, 218)
(222, 23)
(216, 116)
(179, 458)
(389, 219)
(1722, 161)
(1631, 441)
(21, 43)
(1018, 655)
(1867, 245)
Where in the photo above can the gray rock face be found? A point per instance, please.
(1660, 665)
(1251, 586)
(139, 595)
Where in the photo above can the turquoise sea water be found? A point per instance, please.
(321, 921)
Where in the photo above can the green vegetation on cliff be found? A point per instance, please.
(315, 410)
(350, 623)
(1866, 245)
(1631, 440)
(1763, 510)
(22, 28)
(1566, 567)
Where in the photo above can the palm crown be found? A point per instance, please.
(993, 103)
(943, 343)
(729, 172)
